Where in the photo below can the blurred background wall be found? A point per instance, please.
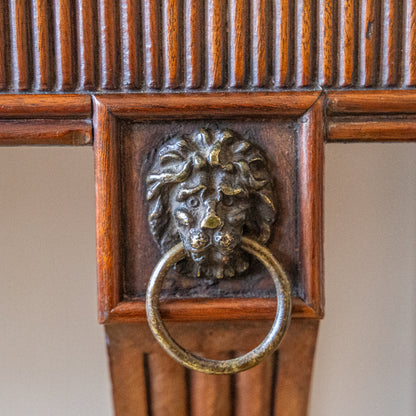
(52, 351)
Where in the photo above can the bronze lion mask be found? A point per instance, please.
(207, 190)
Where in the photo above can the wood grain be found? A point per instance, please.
(254, 389)
(311, 158)
(207, 310)
(364, 129)
(194, 30)
(20, 44)
(368, 31)
(371, 102)
(215, 390)
(106, 167)
(391, 13)
(283, 43)
(45, 132)
(109, 44)
(346, 53)
(172, 43)
(409, 38)
(152, 43)
(303, 50)
(326, 49)
(211, 105)
(5, 46)
(130, 39)
(167, 386)
(87, 45)
(239, 26)
(64, 42)
(295, 369)
(215, 43)
(371, 116)
(45, 106)
(136, 45)
(278, 387)
(42, 62)
(260, 43)
(128, 376)
(114, 109)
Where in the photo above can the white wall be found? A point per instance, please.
(366, 356)
(52, 351)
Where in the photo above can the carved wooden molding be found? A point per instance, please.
(112, 110)
(373, 116)
(137, 45)
(45, 120)
(146, 381)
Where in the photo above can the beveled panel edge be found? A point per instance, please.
(183, 310)
(208, 105)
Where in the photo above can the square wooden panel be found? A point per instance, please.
(128, 127)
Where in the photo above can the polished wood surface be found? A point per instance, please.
(126, 252)
(325, 70)
(210, 310)
(371, 116)
(148, 382)
(45, 119)
(45, 132)
(166, 45)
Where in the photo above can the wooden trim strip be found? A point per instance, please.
(207, 310)
(311, 159)
(45, 132)
(392, 130)
(45, 106)
(106, 166)
(372, 102)
(209, 105)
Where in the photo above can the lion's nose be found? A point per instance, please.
(211, 220)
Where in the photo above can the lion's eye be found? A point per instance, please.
(228, 201)
(192, 202)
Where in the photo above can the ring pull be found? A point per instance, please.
(211, 201)
(231, 366)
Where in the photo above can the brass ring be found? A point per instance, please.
(234, 365)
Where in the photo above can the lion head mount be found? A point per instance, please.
(208, 189)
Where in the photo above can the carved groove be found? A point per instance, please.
(206, 44)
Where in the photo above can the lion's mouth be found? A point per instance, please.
(200, 254)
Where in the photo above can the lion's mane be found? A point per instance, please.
(177, 159)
